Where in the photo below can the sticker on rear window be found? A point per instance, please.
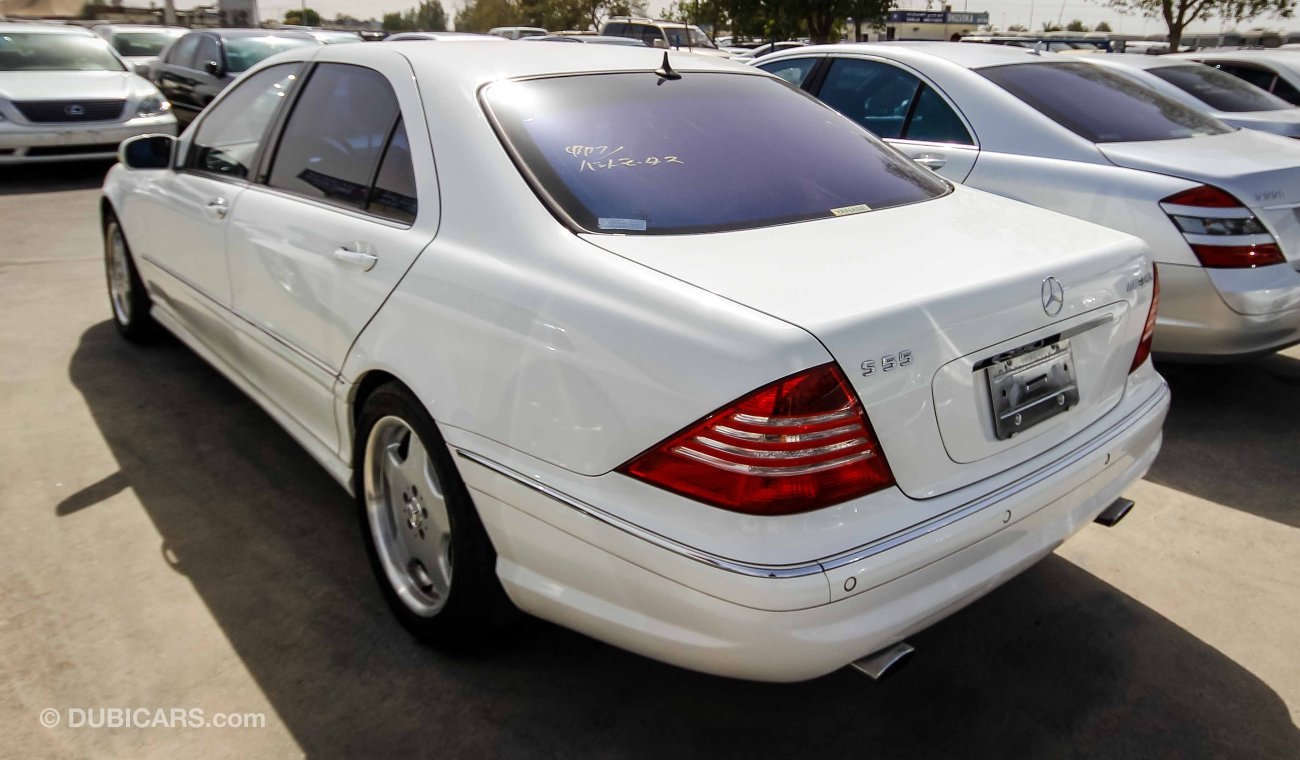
(861, 208)
(635, 225)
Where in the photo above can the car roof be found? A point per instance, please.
(471, 64)
(11, 26)
(141, 28)
(292, 33)
(1136, 60)
(456, 36)
(967, 54)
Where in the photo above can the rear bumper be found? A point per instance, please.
(1227, 314)
(596, 577)
(22, 143)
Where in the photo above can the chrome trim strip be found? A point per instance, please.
(745, 435)
(850, 556)
(741, 451)
(843, 413)
(776, 471)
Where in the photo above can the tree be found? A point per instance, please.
(1017, 28)
(430, 17)
(1103, 27)
(1049, 26)
(302, 17)
(1076, 25)
(1177, 14)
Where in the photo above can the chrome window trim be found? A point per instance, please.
(851, 556)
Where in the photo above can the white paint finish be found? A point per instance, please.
(894, 293)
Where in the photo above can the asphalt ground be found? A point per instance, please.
(166, 546)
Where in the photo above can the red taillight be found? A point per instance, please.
(1148, 329)
(1238, 256)
(1204, 196)
(799, 444)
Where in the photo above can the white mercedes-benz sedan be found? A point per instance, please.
(66, 96)
(761, 428)
(1217, 205)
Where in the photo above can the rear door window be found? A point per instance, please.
(331, 145)
(794, 71)
(633, 154)
(891, 102)
(1219, 90)
(1089, 100)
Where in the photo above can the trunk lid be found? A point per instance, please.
(929, 294)
(1261, 170)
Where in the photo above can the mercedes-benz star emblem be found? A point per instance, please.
(1053, 296)
(75, 110)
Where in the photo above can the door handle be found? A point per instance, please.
(931, 160)
(218, 208)
(363, 261)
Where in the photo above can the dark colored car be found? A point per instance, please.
(204, 62)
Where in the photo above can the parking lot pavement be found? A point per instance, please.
(167, 546)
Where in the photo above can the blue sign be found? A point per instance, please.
(937, 17)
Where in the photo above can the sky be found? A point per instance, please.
(1002, 13)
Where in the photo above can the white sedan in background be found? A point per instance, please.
(1217, 205)
(758, 429)
(1208, 89)
(66, 96)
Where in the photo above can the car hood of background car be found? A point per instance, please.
(1259, 169)
(68, 85)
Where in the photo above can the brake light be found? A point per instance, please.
(1148, 329)
(799, 444)
(1221, 230)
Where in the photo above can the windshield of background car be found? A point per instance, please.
(678, 37)
(1100, 105)
(243, 52)
(633, 154)
(44, 51)
(1218, 90)
(142, 43)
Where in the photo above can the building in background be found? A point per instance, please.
(933, 25)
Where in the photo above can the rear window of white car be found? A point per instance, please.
(1219, 90)
(1100, 105)
(630, 153)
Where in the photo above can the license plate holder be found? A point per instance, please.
(1030, 386)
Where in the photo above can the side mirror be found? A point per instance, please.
(147, 152)
(213, 68)
(142, 69)
(660, 42)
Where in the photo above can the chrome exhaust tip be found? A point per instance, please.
(885, 662)
(1110, 516)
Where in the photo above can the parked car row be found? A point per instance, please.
(1090, 138)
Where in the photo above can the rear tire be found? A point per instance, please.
(429, 551)
(127, 296)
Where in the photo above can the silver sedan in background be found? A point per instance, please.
(1218, 205)
(1208, 89)
(65, 95)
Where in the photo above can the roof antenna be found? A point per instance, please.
(666, 71)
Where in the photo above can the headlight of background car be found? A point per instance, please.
(153, 105)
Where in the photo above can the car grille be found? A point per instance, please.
(70, 110)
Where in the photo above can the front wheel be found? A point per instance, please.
(126, 292)
(427, 546)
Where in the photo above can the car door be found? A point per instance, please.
(904, 110)
(173, 74)
(184, 212)
(347, 202)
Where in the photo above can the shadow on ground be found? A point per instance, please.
(26, 179)
(1233, 435)
(1055, 664)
